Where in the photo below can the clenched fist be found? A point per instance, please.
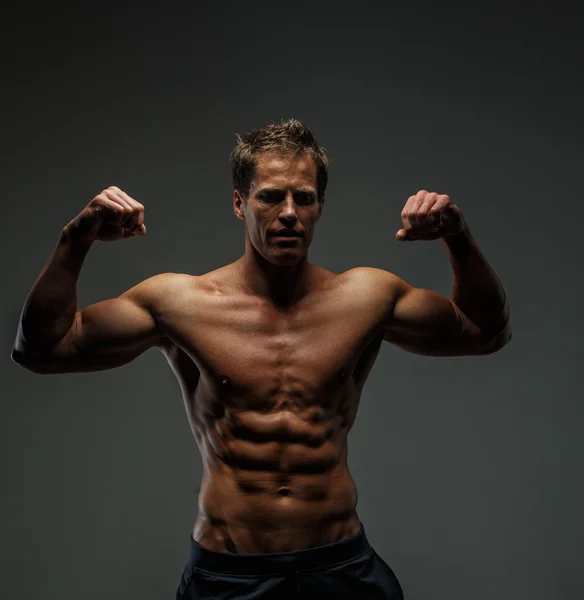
(429, 216)
(111, 215)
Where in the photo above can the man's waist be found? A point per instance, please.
(271, 533)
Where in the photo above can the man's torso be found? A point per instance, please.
(271, 394)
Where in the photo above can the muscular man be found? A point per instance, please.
(271, 353)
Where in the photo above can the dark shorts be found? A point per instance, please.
(349, 569)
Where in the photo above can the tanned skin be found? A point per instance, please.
(271, 351)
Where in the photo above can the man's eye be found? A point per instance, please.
(306, 198)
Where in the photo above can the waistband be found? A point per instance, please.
(278, 562)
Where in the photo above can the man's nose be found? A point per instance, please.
(288, 209)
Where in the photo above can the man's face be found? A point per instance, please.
(282, 207)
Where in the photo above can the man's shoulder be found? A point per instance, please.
(167, 286)
(166, 282)
(365, 291)
(366, 288)
(370, 279)
(158, 291)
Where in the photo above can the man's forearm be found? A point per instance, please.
(476, 289)
(50, 307)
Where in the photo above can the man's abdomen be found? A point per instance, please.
(250, 512)
(275, 468)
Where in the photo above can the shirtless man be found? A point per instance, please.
(271, 353)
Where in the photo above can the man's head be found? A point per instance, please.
(280, 175)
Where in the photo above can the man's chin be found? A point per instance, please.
(284, 258)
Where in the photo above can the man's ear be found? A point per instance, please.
(238, 205)
(320, 208)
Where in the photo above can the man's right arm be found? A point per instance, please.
(102, 336)
(53, 335)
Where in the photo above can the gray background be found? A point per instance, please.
(469, 469)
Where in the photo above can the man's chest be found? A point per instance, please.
(245, 346)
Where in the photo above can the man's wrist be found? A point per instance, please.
(73, 247)
(78, 234)
(461, 240)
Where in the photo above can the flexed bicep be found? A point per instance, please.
(105, 335)
(427, 322)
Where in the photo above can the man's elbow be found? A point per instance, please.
(22, 359)
(30, 362)
(498, 341)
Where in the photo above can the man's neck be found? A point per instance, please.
(282, 285)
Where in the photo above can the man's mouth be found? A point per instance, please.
(286, 233)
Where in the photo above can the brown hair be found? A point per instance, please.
(289, 138)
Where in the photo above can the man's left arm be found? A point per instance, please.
(475, 320)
